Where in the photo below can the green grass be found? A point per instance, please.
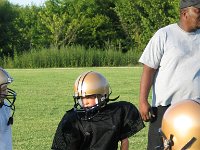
(45, 94)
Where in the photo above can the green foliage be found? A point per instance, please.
(89, 23)
(71, 56)
(55, 19)
(7, 29)
(140, 19)
(122, 25)
(29, 29)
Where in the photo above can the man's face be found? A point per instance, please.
(3, 92)
(194, 17)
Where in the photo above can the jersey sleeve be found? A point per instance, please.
(64, 133)
(154, 50)
(132, 121)
(59, 141)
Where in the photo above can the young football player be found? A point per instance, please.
(7, 99)
(93, 123)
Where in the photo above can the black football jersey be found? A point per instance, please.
(115, 122)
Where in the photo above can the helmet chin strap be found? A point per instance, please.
(113, 99)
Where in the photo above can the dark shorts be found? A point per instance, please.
(154, 138)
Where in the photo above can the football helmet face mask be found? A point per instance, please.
(90, 84)
(181, 125)
(7, 98)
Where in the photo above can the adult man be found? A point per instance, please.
(7, 99)
(171, 67)
(94, 123)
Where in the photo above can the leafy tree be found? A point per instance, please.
(54, 19)
(91, 23)
(7, 30)
(116, 24)
(140, 19)
(31, 33)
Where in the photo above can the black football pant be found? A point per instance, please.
(154, 138)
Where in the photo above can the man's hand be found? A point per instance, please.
(146, 111)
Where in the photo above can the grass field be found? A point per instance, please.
(45, 94)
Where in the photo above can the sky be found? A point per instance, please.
(27, 2)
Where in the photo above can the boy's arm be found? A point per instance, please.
(62, 137)
(124, 144)
(59, 139)
(131, 120)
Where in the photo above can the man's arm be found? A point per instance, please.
(124, 144)
(145, 86)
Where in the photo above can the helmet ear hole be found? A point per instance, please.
(103, 99)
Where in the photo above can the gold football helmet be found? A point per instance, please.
(87, 84)
(180, 127)
(8, 99)
(91, 83)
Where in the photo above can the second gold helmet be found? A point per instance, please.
(181, 126)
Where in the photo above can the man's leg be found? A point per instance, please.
(154, 138)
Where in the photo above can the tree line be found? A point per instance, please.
(118, 24)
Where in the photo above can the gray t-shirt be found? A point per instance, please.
(176, 55)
